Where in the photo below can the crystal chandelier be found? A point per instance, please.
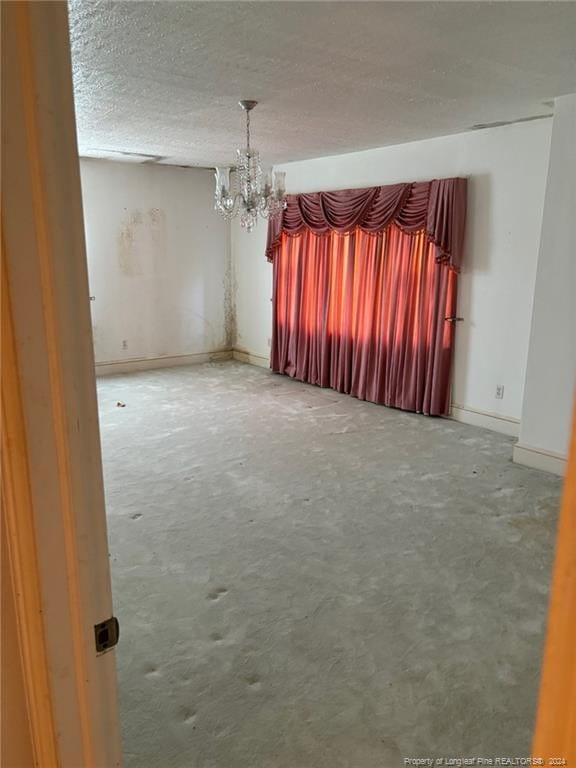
(252, 192)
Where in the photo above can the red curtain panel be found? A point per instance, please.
(365, 288)
(365, 314)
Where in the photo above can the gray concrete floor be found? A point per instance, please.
(304, 580)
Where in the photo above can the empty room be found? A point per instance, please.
(324, 302)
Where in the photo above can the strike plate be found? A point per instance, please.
(106, 634)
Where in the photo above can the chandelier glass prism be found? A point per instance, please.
(250, 192)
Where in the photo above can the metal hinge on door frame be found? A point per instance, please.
(106, 634)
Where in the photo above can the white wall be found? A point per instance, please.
(158, 261)
(252, 290)
(507, 168)
(551, 370)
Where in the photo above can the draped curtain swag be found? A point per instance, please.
(437, 207)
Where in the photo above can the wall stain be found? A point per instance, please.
(157, 216)
(156, 219)
(126, 261)
(229, 282)
(141, 242)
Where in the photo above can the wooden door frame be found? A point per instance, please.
(52, 486)
(555, 733)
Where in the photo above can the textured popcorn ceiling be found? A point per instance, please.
(161, 80)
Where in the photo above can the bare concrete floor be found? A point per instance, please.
(304, 580)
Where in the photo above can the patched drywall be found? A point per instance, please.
(158, 260)
(507, 170)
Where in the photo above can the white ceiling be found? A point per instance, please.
(162, 79)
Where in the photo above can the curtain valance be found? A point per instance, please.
(438, 207)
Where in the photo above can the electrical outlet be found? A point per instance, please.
(499, 391)
(124, 344)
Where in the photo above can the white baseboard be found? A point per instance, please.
(149, 363)
(251, 358)
(503, 424)
(539, 459)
